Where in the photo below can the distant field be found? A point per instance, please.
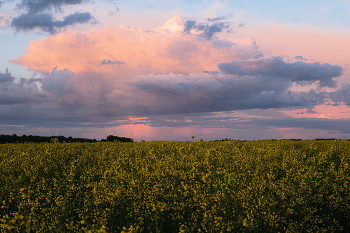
(223, 186)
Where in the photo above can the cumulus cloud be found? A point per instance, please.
(23, 92)
(167, 71)
(114, 62)
(276, 67)
(166, 51)
(46, 22)
(174, 24)
(59, 82)
(16, 92)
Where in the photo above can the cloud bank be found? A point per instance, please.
(110, 73)
(276, 67)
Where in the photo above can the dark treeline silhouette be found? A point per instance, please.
(227, 139)
(112, 138)
(34, 138)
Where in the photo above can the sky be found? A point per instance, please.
(166, 70)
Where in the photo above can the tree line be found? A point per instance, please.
(35, 138)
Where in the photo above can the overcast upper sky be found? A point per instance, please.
(165, 70)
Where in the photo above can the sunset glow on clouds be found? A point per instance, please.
(205, 73)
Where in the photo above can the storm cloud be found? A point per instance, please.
(20, 91)
(207, 93)
(276, 67)
(185, 74)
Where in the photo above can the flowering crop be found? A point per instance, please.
(226, 186)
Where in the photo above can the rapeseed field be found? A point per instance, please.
(162, 186)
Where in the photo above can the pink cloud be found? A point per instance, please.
(143, 52)
(321, 111)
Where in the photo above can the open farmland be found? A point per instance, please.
(162, 186)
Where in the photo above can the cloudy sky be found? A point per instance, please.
(165, 70)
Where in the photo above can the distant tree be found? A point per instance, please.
(112, 138)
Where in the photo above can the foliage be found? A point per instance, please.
(33, 138)
(223, 186)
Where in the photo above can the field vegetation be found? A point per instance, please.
(162, 186)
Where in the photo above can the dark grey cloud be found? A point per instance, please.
(166, 94)
(216, 18)
(62, 104)
(276, 67)
(17, 92)
(189, 24)
(46, 22)
(36, 6)
(38, 15)
(300, 58)
(23, 92)
(114, 62)
(218, 92)
(207, 31)
(341, 96)
(6, 77)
